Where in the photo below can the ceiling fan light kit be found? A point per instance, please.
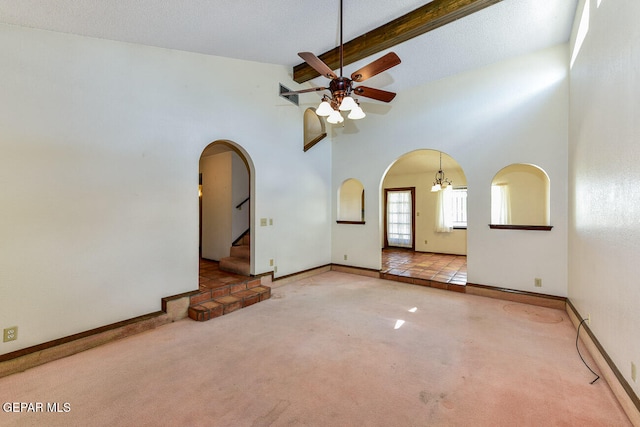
(356, 113)
(347, 104)
(324, 109)
(342, 88)
(335, 117)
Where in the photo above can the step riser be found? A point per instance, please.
(213, 303)
(222, 291)
(243, 252)
(236, 265)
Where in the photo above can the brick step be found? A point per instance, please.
(211, 303)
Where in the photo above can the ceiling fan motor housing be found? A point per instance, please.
(340, 87)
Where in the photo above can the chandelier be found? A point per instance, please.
(440, 181)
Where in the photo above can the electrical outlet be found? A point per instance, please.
(263, 222)
(345, 257)
(270, 221)
(633, 372)
(275, 269)
(271, 263)
(537, 282)
(10, 334)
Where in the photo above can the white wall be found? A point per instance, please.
(217, 205)
(511, 112)
(99, 149)
(604, 234)
(240, 190)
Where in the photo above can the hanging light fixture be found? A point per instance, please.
(341, 87)
(440, 181)
(340, 101)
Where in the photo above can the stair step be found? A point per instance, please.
(235, 265)
(212, 303)
(241, 251)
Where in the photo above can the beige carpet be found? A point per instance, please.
(331, 350)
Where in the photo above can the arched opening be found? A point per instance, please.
(423, 213)
(226, 183)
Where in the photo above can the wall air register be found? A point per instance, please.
(291, 97)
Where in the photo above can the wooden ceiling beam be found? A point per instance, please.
(422, 20)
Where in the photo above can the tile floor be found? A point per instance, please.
(401, 263)
(442, 268)
(212, 277)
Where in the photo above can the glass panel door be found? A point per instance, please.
(399, 221)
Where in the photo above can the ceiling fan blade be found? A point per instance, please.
(376, 67)
(317, 64)
(379, 94)
(313, 89)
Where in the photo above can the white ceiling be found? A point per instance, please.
(274, 31)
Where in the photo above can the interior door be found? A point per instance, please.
(399, 213)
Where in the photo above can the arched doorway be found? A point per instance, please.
(226, 214)
(423, 198)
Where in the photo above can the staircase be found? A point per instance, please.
(226, 298)
(239, 261)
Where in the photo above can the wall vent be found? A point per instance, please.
(292, 98)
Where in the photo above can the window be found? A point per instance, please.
(451, 209)
(459, 206)
(500, 204)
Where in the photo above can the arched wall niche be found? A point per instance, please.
(314, 128)
(520, 195)
(351, 202)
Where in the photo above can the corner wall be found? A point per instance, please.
(604, 233)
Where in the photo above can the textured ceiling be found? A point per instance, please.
(274, 31)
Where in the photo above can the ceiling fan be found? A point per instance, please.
(342, 88)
